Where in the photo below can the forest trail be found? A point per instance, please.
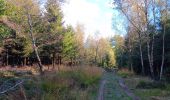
(113, 88)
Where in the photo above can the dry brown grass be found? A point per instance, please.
(71, 82)
(125, 70)
(60, 83)
(33, 70)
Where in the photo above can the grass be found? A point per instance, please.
(70, 83)
(74, 83)
(151, 85)
(7, 74)
(148, 94)
(147, 89)
(125, 73)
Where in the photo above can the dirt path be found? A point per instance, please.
(127, 90)
(111, 88)
(101, 92)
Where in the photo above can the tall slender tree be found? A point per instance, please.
(165, 17)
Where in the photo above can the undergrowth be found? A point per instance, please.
(70, 83)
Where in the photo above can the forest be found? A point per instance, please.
(145, 47)
(32, 35)
(42, 58)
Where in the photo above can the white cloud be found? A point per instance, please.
(91, 15)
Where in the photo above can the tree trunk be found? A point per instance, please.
(163, 41)
(163, 53)
(153, 35)
(141, 54)
(149, 59)
(25, 61)
(150, 55)
(96, 54)
(148, 39)
(53, 60)
(33, 43)
(121, 60)
(152, 49)
(7, 57)
(130, 59)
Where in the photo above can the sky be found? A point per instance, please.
(95, 15)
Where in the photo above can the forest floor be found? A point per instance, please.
(111, 88)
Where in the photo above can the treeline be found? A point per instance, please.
(146, 47)
(31, 33)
